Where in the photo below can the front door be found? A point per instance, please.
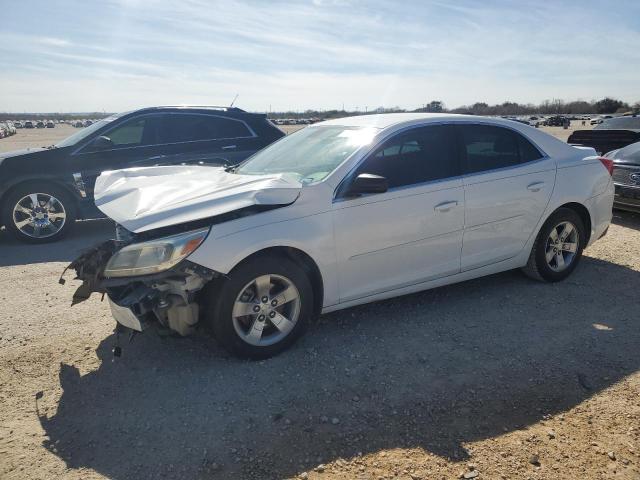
(411, 233)
(132, 143)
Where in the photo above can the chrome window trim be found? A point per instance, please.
(150, 114)
(351, 171)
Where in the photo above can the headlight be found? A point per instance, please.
(155, 255)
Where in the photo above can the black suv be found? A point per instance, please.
(43, 191)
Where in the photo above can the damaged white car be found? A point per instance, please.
(341, 213)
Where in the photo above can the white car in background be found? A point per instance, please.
(338, 214)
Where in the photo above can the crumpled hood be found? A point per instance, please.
(142, 199)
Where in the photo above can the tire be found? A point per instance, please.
(19, 203)
(554, 270)
(237, 333)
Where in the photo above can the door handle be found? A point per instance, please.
(445, 206)
(535, 187)
(229, 147)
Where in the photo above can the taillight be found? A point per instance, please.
(608, 164)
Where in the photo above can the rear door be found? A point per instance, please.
(411, 233)
(203, 138)
(507, 182)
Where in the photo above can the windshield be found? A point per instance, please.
(85, 132)
(310, 154)
(622, 123)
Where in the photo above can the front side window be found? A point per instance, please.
(128, 135)
(487, 147)
(309, 154)
(421, 155)
(85, 132)
(194, 128)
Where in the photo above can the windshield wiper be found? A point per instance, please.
(232, 168)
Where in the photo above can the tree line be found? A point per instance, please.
(548, 107)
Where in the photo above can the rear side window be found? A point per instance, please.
(421, 155)
(486, 147)
(192, 128)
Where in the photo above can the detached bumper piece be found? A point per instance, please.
(89, 266)
(168, 297)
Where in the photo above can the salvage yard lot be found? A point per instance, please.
(502, 376)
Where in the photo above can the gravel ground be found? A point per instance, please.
(500, 377)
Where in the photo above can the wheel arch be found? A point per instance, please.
(583, 213)
(9, 189)
(304, 260)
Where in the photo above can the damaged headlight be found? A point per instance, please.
(155, 255)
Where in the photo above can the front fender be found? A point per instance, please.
(312, 235)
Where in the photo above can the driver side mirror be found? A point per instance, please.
(101, 143)
(367, 183)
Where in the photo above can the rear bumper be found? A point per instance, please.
(627, 198)
(601, 210)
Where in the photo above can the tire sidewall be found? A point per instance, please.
(562, 215)
(37, 187)
(220, 310)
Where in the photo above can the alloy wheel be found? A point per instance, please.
(39, 215)
(562, 246)
(266, 310)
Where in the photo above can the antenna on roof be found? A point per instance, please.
(234, 100)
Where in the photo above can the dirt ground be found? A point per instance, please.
(495, 378)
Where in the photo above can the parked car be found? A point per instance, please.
(338, 214)
(29, 124)
(4, 132)
(556, 121)
(626, 177)
(42, 191)
(50, 124)
(611, 134)
(40, 124)
(10, 128)
(78, 124)
(18, 124)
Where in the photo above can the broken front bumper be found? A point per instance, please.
(169, 297)
(125, 316)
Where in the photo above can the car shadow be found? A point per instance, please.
(84, 235)
(432, 370)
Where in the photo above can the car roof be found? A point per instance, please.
(392, 122)
(397, 120)
(192, 107)
(384, 120)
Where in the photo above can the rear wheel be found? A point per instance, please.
(558, 247)
(262, 308)
(39, 213)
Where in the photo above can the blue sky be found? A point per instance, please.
(116, 55)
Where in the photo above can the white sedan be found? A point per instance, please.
(342, 213)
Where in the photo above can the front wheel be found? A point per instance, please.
(38, 213)
(558, 247)
(262, 308)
